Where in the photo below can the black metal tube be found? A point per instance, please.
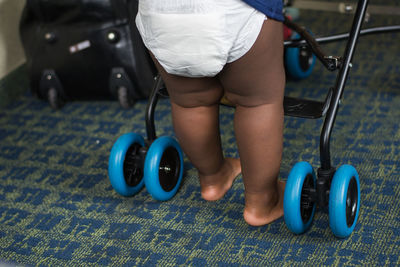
(344, 36)
(340, 84)
(150, 110)
(309, 39)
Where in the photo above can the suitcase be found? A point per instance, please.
(85, 50)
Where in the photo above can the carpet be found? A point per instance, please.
(57, 207)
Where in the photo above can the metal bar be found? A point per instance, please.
(340, 84)
(150, 110)
(375, 30)
(345, 7)
(344, 36)
(308, 38)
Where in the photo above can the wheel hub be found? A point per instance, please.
(306, 58)
(133, 172)
(169, 169)
(351, 202)
(306, 204)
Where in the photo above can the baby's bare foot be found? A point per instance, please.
(263, 209)
(214, 187)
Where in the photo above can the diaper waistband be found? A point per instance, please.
(177, 6)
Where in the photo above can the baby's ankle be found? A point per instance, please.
(214, 187)
(264, 208)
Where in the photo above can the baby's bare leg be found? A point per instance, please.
(195, 114)
(255, 84)
(198, 133)
(259, 134)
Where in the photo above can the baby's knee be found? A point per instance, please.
(252, 100)
(198, 99)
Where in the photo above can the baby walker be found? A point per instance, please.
(157, 163)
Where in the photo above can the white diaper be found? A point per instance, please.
(196, 38)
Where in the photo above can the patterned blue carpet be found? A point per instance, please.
(57, 207)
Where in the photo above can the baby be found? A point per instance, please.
(205, 49)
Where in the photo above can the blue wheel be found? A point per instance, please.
(298, 208)
(163, 168)
(299, 61)
(124, 165)
(344, 201)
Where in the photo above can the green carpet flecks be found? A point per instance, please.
(57, 207)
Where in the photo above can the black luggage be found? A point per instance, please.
(85, 49)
